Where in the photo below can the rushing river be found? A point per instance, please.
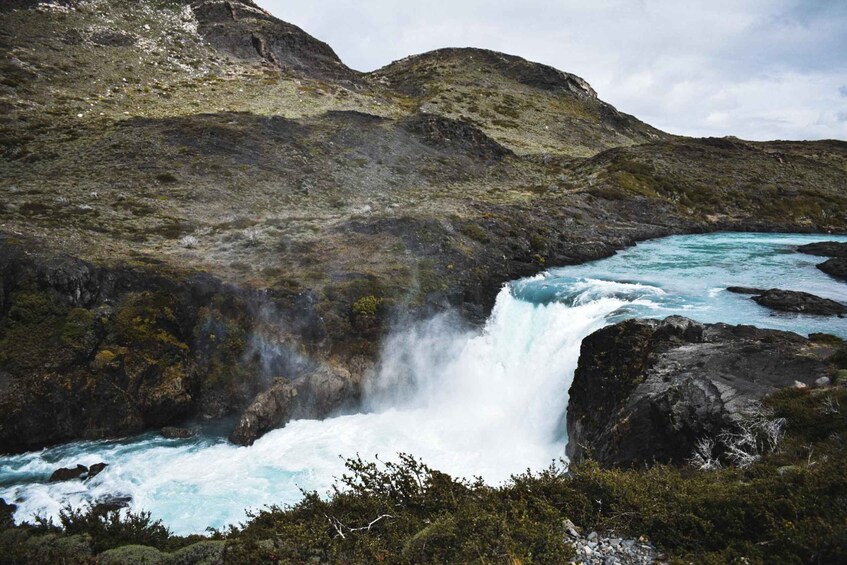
(484, 403)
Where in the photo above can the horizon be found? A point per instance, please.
(755, 70)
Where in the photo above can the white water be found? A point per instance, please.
(486, 404)
(472, 404)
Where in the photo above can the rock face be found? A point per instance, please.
(314, 395)
(835, 267)
(799, 302)
(646, 391)
(825, 249)
(242, 29)
(270, 409)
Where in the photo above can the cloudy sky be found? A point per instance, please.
(758, 69)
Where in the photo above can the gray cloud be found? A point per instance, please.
(759, 69)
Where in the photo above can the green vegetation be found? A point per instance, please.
(367, 306)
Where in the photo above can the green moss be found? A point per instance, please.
(825, 339)
(77, 324)
(147, 318)
(367, 306)
(33, 306)
(104, 358)
(474, 231)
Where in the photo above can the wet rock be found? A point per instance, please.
(270, 409)
(95, 470)
(172, 432)
(824, 249)
(745, 290)
(317, 394)
(68, 473)
(646, 391)
(835, 267)
(114, 502)
(799, 302)
(323, 392)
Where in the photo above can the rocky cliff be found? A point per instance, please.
(647, 391)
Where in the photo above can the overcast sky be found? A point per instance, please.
(758, 69)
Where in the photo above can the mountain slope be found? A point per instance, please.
(529, 107)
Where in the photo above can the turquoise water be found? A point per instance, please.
(483, 403)
(688, 275)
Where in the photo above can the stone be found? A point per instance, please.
(824, 249)
(269, 410)
(799, 302)
(68, 473)
(835, 267)
(646, 391)
(823, 381)
(745, 290)
(95, 470)
(172, 432)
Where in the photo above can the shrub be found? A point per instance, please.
(367, 306)
(110, 527)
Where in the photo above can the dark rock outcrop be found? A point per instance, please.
(825, 249)
(745, 290)
(243, 30)
(441, 132)
(799, 302)
(270, 409)
(95, 470)
(78, 472)
(646, 391)
(835, 267)
(317, 394)
(68, 473)
(172, 432)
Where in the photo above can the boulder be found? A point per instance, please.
(646, 391)
(270, 409)
(824, 249)
(172, 432)
(68, 473)
(745, 290)
(95, 470)
(835, 267)
(799, 302)
(317, 394)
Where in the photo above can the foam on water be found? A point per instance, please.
(486, 403)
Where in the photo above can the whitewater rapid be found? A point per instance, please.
(470, 402)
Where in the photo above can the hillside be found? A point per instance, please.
(157, 154)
